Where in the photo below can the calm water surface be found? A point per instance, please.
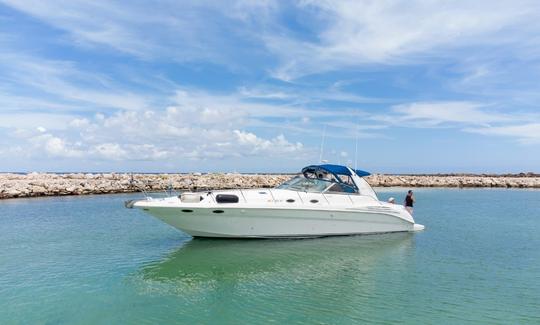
(87, 260)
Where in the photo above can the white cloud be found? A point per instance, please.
(111, 97)
(110, 151)
(308, 95)
(527, 133)
(70, 87)
(148, 152)
(432, 114)
(466, 116)
(256, 145)
(200, 125)
(352, 33)
(170, 30)
(332, 35)
(54, 146)
(57, 147)
(14, 103)
(79, 123)
(45, 120)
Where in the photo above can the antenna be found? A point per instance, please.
(356, 144)
(322, 144)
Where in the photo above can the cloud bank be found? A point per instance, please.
(234, 83)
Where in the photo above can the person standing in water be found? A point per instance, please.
(409, 201)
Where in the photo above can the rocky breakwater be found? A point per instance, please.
(46, 184)
(523, 180)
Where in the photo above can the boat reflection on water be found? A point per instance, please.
(226, 261)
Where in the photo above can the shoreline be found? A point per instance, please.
(13, 185)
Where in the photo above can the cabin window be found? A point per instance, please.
(312, 183)
(305, 185)
(335, 188)
(341, 188)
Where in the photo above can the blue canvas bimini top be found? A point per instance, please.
(334, 169)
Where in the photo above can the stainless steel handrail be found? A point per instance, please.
(300, 197)
(324, 196)
(243, 195)
(272, 195)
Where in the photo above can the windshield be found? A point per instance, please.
(306, 184)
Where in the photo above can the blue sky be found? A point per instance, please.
(177, 86)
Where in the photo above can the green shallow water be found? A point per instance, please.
(87, 260)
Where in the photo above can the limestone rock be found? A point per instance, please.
(41, 184)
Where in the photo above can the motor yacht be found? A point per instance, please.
(323, 200)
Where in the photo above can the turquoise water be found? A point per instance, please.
(87, 260)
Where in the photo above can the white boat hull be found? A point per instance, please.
(242, 222)
(278, 213)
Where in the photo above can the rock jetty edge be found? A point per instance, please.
(48, 184)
